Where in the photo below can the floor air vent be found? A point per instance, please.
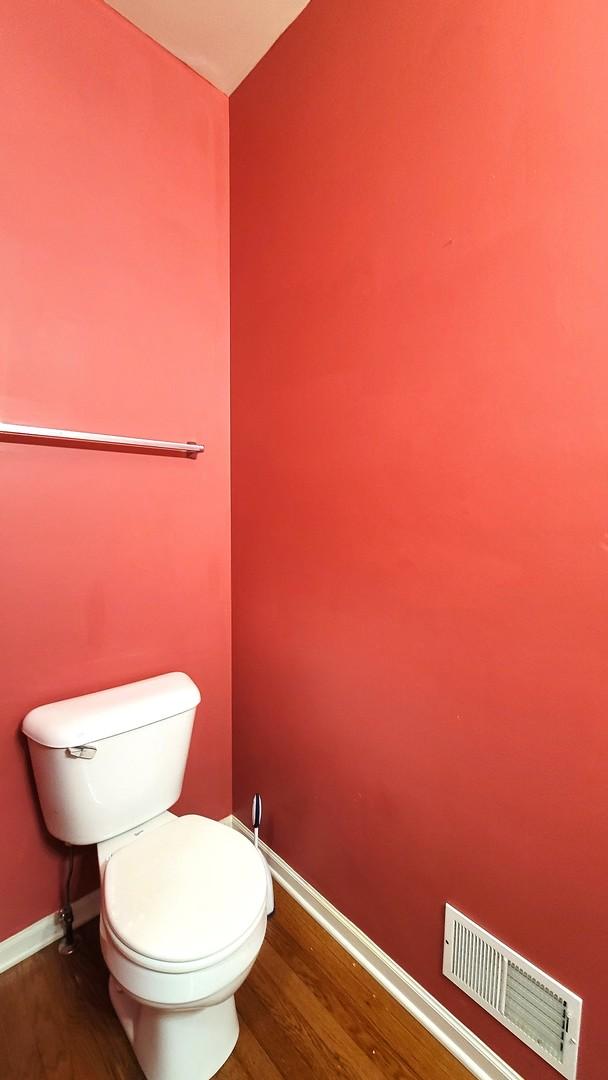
(532, 1005)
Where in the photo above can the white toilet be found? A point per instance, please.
(183, 899)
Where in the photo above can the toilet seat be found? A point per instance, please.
(183, 896)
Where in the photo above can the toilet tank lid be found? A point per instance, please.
(93, 717)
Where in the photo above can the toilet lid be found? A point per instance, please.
(184, 891)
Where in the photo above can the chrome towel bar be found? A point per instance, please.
(61, 435)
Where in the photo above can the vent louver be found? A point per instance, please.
(543, 1014)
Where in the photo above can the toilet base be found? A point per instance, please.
(177, 1044)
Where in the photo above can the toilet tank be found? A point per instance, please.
(106, 762)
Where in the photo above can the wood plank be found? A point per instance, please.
(367, 1008)
(312, 1026)
(252, 1058)
(358, 1011)
(271, 1035)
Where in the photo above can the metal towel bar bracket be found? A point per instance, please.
(61, 435)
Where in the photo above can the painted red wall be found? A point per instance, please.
(113, 317)
(420, 476)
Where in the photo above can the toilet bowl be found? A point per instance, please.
(183, 899)
(183, 917)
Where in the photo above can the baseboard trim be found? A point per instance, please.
(467, 1047)
(42, 933)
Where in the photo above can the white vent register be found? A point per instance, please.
(543, 1014)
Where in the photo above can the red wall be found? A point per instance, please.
(420, 476)
(113, 317)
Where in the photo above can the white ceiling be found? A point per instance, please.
(221, 39)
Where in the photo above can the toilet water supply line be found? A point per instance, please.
(256, 821)
(67, 944)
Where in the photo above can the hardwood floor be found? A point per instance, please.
(306, 1010)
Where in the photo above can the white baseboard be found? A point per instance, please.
(42, 933)
(478, 1058)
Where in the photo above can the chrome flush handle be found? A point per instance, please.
(81, 751)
